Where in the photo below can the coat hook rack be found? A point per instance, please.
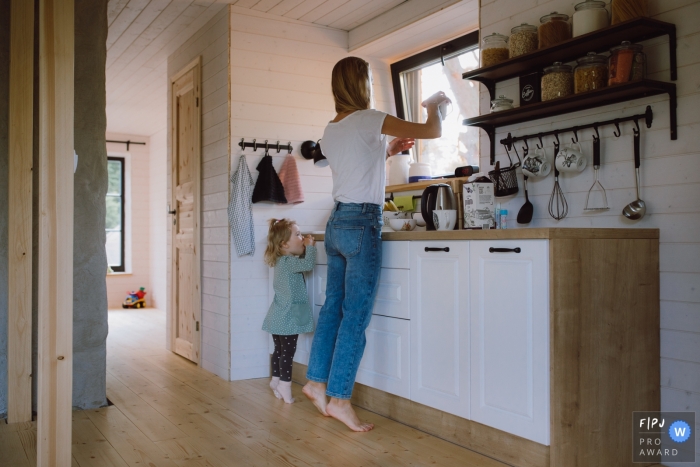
(648, 117)
(128, 142)
(267, 145)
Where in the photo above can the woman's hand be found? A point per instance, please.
(436, 99)
(309, 240)
(398, 145)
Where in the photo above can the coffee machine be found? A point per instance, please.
(438, 196)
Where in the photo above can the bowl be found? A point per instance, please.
(389, 215)
(402, 225)
(418, 217)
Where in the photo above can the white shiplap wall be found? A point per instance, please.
(211, 43)
(158, 188)
(137, 219)
(280, 90)
(670, 179)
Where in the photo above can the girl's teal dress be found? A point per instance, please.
(290, 312)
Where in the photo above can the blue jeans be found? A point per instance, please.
(354, 247)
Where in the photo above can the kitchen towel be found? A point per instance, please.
(240, 209)
(404, 203)
(268, 187)
(289, 175)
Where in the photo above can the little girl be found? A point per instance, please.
(290, 313)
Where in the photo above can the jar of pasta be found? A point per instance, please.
(557, 81)
(591, 73)
(623, 10)
(494, 49)
(627, 62)
(554, 28)
(523, 40)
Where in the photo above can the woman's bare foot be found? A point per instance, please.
(316, 392)
(341, 410)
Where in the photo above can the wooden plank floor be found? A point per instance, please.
(168, 412)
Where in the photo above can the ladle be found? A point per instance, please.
(636, 209)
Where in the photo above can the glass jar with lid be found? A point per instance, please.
(591, 73)
(627, 62)
(590, 16)
(554, 28)
(502, 103)
(557, 81)
(494, 49)
(523, 40)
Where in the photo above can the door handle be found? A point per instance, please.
(174, 211)
(446, 249)
(505, 250)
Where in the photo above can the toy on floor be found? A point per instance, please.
(135, 299)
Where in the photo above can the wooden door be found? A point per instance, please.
(440, 325)
(510, 336)
(185, 201)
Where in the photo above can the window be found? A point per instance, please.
(114, 222)
(418, 77)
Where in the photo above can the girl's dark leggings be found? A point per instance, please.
(285, 347)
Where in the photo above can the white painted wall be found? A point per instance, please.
(211, 42)
(158, 186)
(136, 218)
(670, 179)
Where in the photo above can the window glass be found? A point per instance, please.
(114, 218)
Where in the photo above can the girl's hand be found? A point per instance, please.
(309, 240)
(436, 99)
(398, 145)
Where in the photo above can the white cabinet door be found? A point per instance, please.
(510, 336)
(304, 342)
(385, 364)
(440, 325)
(319, 285)
(392, 294)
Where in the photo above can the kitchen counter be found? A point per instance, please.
(513, 234)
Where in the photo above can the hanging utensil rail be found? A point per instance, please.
(265, 145)
(648, 116)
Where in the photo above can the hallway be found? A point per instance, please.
(168, 412)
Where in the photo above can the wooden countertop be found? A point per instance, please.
(511, 234)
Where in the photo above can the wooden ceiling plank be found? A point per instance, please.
(305, 7)
(246, 3)
(114, 7)
(266, 5)
(322, 10)
(124, 20)
(362, 15)
(349, 8)
(285, 7)
(142, 22)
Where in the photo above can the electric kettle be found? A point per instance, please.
(438, 196)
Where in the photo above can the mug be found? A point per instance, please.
(418, 217)
(536, 164)
(444, 109)
(571, 160)
(444, 219)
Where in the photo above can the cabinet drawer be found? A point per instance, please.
(394, 254)
(385, 364)
(392, 294)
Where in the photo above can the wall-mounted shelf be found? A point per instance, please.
(585, 100)
(423, 184)
(634, 30)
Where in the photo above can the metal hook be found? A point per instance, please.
(278, 146)
(289, 147)
(556, 136)
(255, 145)
(636, 124)
(541, 145)
(596, 137)
(618, 132)
(526, 149)
(242, 144)
(267, 148)
(575, 138)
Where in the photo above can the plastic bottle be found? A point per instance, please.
(504, 218)
(497, 216)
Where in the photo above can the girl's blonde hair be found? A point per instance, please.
(280, 232)
(351, 85)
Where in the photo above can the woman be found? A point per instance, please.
(355, 144)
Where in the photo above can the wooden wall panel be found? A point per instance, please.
(55, 360)
(19, 336)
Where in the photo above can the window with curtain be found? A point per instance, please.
(418, 77)
(114, 221)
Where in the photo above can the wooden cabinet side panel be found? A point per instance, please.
(604, 330)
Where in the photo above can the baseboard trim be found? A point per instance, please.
(499, 445)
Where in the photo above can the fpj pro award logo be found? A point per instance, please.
(664, 437)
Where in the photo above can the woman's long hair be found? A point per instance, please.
(280, 232)
(351, 85)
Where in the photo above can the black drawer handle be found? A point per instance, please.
(505, 250)
(446, 249)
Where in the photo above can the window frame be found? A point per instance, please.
(122, 160)
(428, 57)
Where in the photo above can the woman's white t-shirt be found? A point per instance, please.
(356, 151)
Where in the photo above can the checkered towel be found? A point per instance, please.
(240, 209)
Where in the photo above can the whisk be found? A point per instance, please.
(596, 185)
(558, 208)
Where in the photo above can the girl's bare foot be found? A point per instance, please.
(316, 392)
(285, 390)
(273, 385)
(341, 410)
